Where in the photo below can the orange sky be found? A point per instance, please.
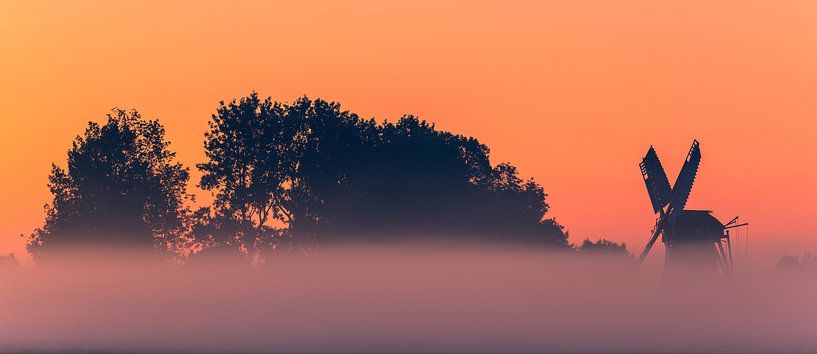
(572, 92)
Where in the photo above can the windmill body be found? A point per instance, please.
(693, 239)
(691, 242)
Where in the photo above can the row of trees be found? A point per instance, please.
(286, 176)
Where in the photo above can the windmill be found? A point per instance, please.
(692, 238)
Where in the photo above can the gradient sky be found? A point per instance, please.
(572, 92)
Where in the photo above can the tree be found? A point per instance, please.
(121, 187)
(795, 263)
(326, 175)
(605, 248)
(331, 147)
(8, 261)
(251, 149)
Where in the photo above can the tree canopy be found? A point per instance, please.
(325, 175)
(121, 187)
(297, 174)
(605, 248)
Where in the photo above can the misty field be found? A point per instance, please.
(406, 299)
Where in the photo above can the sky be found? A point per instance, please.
(571, 92)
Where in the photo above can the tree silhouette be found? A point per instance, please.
(796, 263)
(251, 148)
(328, 176)
(605, 248)
(121, 188)
(8, 261)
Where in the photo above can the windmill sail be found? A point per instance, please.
(656, 180)
(661, 194)
(683, 185)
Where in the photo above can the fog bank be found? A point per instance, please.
(398, 300)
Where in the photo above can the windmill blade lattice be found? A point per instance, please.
(656, 180)
(683, 184)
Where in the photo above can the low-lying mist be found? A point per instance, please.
(397, 299)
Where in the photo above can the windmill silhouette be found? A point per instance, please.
(693, 239)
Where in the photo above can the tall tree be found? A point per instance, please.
(121, 187)
(330, 146)
(250, 149)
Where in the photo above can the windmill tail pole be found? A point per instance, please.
(658, 228)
